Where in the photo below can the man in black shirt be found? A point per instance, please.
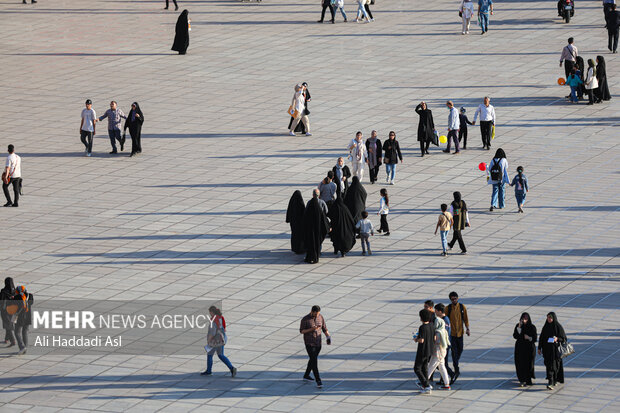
(425, 340)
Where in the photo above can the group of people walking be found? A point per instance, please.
(364, 14)
(590, 81)
(16, 313)
(133, 121)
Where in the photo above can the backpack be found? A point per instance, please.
(496, 170)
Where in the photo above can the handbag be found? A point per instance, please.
(435, 138)
(566, 349)
(460, 14)
(291, 111)
(493, 132)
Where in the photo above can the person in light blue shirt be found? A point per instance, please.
(498, 177)
(453, 127)
(484, 8)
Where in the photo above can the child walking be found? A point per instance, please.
(366, 230)
(463, 121)
(444, 223)
(521, 187)
(383, 212)
(574, 81)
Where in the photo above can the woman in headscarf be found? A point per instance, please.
(7, 294)
(458, 209)
(301, 128)
(426, 127)
(602, 93)
(440, 349)
(181, 37)
(343, 227)
(315, 230)
(373, 148)
(295, 217)
(591, 83)
(525, 349)
(134, 121)
(498, 177)
(355, 199)
(551, 336)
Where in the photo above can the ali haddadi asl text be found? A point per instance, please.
(78, 341)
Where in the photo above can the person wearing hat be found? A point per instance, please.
(463, 121)
(87, 126)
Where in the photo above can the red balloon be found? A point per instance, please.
(482, 166)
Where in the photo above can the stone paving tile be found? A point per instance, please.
(210, 223)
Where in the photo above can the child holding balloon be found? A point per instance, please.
(520, 184)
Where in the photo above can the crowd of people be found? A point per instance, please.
(590, 81)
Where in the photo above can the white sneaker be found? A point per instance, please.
(372, 20)
(308, 134)
(291, 133)
(88, 154)
(392, 182)
(387, 180)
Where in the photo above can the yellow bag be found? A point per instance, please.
(493, 133)
(291, 111)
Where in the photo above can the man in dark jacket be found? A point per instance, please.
(24, 317)
(342, 173)
(613, 25)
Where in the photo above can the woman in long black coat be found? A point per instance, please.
(295, 217)
(134, 122)
(355, 199)
(551, 336)
(602, 92)
(525, 349)
(315, 230)
(426, 127)
(343, 227)
(181, 36)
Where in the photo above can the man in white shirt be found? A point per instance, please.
(453, 127)
(569, 57)
(358, 155)
(12, 175)
(87, 126)
(486, 112)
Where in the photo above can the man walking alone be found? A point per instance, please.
(12, 175)
(311, 327)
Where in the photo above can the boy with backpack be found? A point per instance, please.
(498, 177)
(444, 223)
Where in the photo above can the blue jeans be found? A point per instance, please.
(484, 21)
(520, 198)
(498, 195)
(390, 169)
(444, 240)
(361, 11)
(220, 354)
(573, 94)
(365, 243)
(344, 15)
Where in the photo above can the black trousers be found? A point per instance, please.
(373, 173)
(613, 40)
(456, 343)
(174, 1)
(486, 127)
(463, 137)
(9, 334)
(367, 7)
(456, 236)
(87, 139)
(421, 370)
(590, 93)
(568, 66)
(313, 363)
(424, 146)
(331, 10)
(17, 185)
(136, 145)
(384, 224)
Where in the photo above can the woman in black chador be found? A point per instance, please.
(355, 199)
(602, 92)
(134, 122)
(295, 217)
(181, 37)
(300, 126)
(551, 336)
(315, 230)
(525, 349)
(343, 227)
(426, 127)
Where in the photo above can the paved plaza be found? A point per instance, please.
(200, 213)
